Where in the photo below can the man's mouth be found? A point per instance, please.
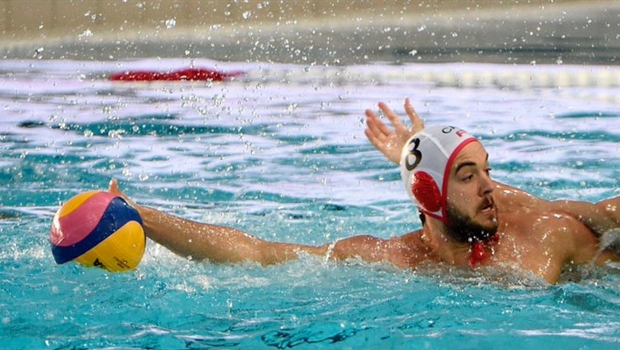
(488, 210)
(487, 207)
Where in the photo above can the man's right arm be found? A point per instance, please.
(222, 244)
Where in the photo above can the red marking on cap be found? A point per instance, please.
(426, 191)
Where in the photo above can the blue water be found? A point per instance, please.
(281, 154)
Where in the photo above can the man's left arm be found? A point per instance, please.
(599, 217)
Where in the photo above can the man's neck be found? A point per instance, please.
(435, 237)
(443, 246)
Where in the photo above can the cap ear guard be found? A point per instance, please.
(426, 191)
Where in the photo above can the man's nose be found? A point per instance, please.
(486, 184)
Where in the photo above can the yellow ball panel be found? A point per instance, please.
(120, 252)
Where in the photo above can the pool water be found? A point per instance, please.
(280, 153)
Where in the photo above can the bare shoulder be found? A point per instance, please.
(545, 242)
(403, 251)
(510, 199)
(553, 233)
(542, 224)
(408, 250)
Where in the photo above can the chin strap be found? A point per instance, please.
(478, 253)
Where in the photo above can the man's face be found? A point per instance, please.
(470, 206)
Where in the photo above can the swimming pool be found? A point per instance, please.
(280, 153)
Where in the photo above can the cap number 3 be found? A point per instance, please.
(415, 156)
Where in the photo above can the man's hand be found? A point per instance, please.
(391, 142)
(113, 189)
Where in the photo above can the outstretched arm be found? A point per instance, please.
(221, 244)
(200, 241)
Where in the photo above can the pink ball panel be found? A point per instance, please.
(78, 224)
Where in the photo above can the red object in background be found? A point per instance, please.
(189, 74)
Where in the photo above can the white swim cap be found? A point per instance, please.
(425, 165)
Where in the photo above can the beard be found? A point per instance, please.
(463, 228)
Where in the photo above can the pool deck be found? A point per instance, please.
(314, 32)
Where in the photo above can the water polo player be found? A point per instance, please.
(469, 223)
(426, 162)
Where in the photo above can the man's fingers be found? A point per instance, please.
(380, 145)
(113, 187)
(416, 121)
(376, 126)
(394, 119)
